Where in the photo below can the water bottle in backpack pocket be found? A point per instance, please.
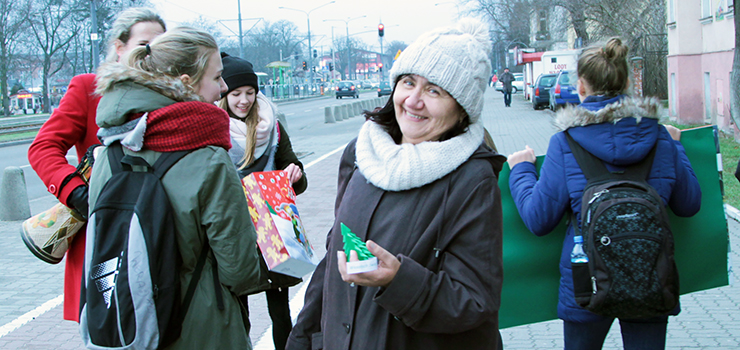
(579, 265)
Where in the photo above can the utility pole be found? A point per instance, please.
(94, 35)
(241, 41)
(308, 26)
(346, 26)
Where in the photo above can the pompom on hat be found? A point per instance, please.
(455, 59)
(237, 73)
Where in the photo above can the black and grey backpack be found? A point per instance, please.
(130, 297)
(631, 271)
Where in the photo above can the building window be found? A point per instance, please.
(671, 11)
(706, 9)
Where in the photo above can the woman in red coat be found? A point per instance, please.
(73, 124)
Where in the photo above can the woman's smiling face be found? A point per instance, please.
(424, 111)
(241, 100)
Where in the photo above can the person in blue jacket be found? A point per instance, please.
(620, 130)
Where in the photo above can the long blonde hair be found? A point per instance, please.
(251, 120)
(182, 50)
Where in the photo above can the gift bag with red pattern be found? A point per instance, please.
(280, 233)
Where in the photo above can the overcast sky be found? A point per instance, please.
(404, 20)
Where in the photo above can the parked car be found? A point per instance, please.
(516, 85)
(347, 89)
(564, 92)
(541, 93)
(384, 88)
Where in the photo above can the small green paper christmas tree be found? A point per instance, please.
(352, 242)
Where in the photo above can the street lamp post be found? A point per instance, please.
(346, 27)
(308, 25)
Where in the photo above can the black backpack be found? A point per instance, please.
(130, 295)
(631, 272)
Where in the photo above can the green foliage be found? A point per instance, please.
(730, 155)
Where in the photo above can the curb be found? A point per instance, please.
(732, 212)
(16, 142)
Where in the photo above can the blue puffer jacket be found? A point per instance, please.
(620, 131)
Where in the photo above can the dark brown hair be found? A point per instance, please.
(604, 67)
(386, 117)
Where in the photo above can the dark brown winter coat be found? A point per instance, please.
(446, 294)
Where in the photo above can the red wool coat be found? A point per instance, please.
(72, 124)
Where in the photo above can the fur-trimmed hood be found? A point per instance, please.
(620, 131)
(625, 107)
(126, 91)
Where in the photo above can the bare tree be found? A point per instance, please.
(54, 25)
(343, 47)
(212, 28)
(272, 42)
(391, 51)
(13, 16)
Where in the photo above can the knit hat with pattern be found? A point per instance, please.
(455, 59)
(237, 73)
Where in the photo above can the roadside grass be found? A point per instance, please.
(730, 151)
(730, 154)
(26, 135)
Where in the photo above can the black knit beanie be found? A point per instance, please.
(237, 73)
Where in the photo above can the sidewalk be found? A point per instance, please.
(709, 320)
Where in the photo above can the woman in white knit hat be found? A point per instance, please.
(420, 188)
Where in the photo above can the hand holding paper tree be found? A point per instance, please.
(380, 275)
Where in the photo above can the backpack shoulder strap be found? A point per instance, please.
(594, 168)
(166, 161)
(591, 166)
(115, 155)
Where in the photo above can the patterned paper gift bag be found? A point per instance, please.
(280, 233)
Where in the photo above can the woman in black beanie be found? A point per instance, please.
(260, 143)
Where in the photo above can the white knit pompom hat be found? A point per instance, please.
(455, 59)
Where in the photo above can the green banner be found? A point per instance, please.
(531, 275)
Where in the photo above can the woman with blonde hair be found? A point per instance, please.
(72, 124)
(161, 100)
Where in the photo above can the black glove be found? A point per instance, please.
(77, 201)
(737, 171)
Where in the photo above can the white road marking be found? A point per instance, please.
(296, 303)
(29, 316)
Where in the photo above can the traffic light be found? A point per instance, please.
(381, 29)
(304, 66)
(380, 67)
(331, 66)
(315, 54)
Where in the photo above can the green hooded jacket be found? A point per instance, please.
(208, 203)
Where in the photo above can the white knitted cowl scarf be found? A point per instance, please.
(394, 167)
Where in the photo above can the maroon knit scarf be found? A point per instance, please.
(186, 126)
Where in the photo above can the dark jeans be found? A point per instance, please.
(507, 98)
(642, 334)
(279, 308)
